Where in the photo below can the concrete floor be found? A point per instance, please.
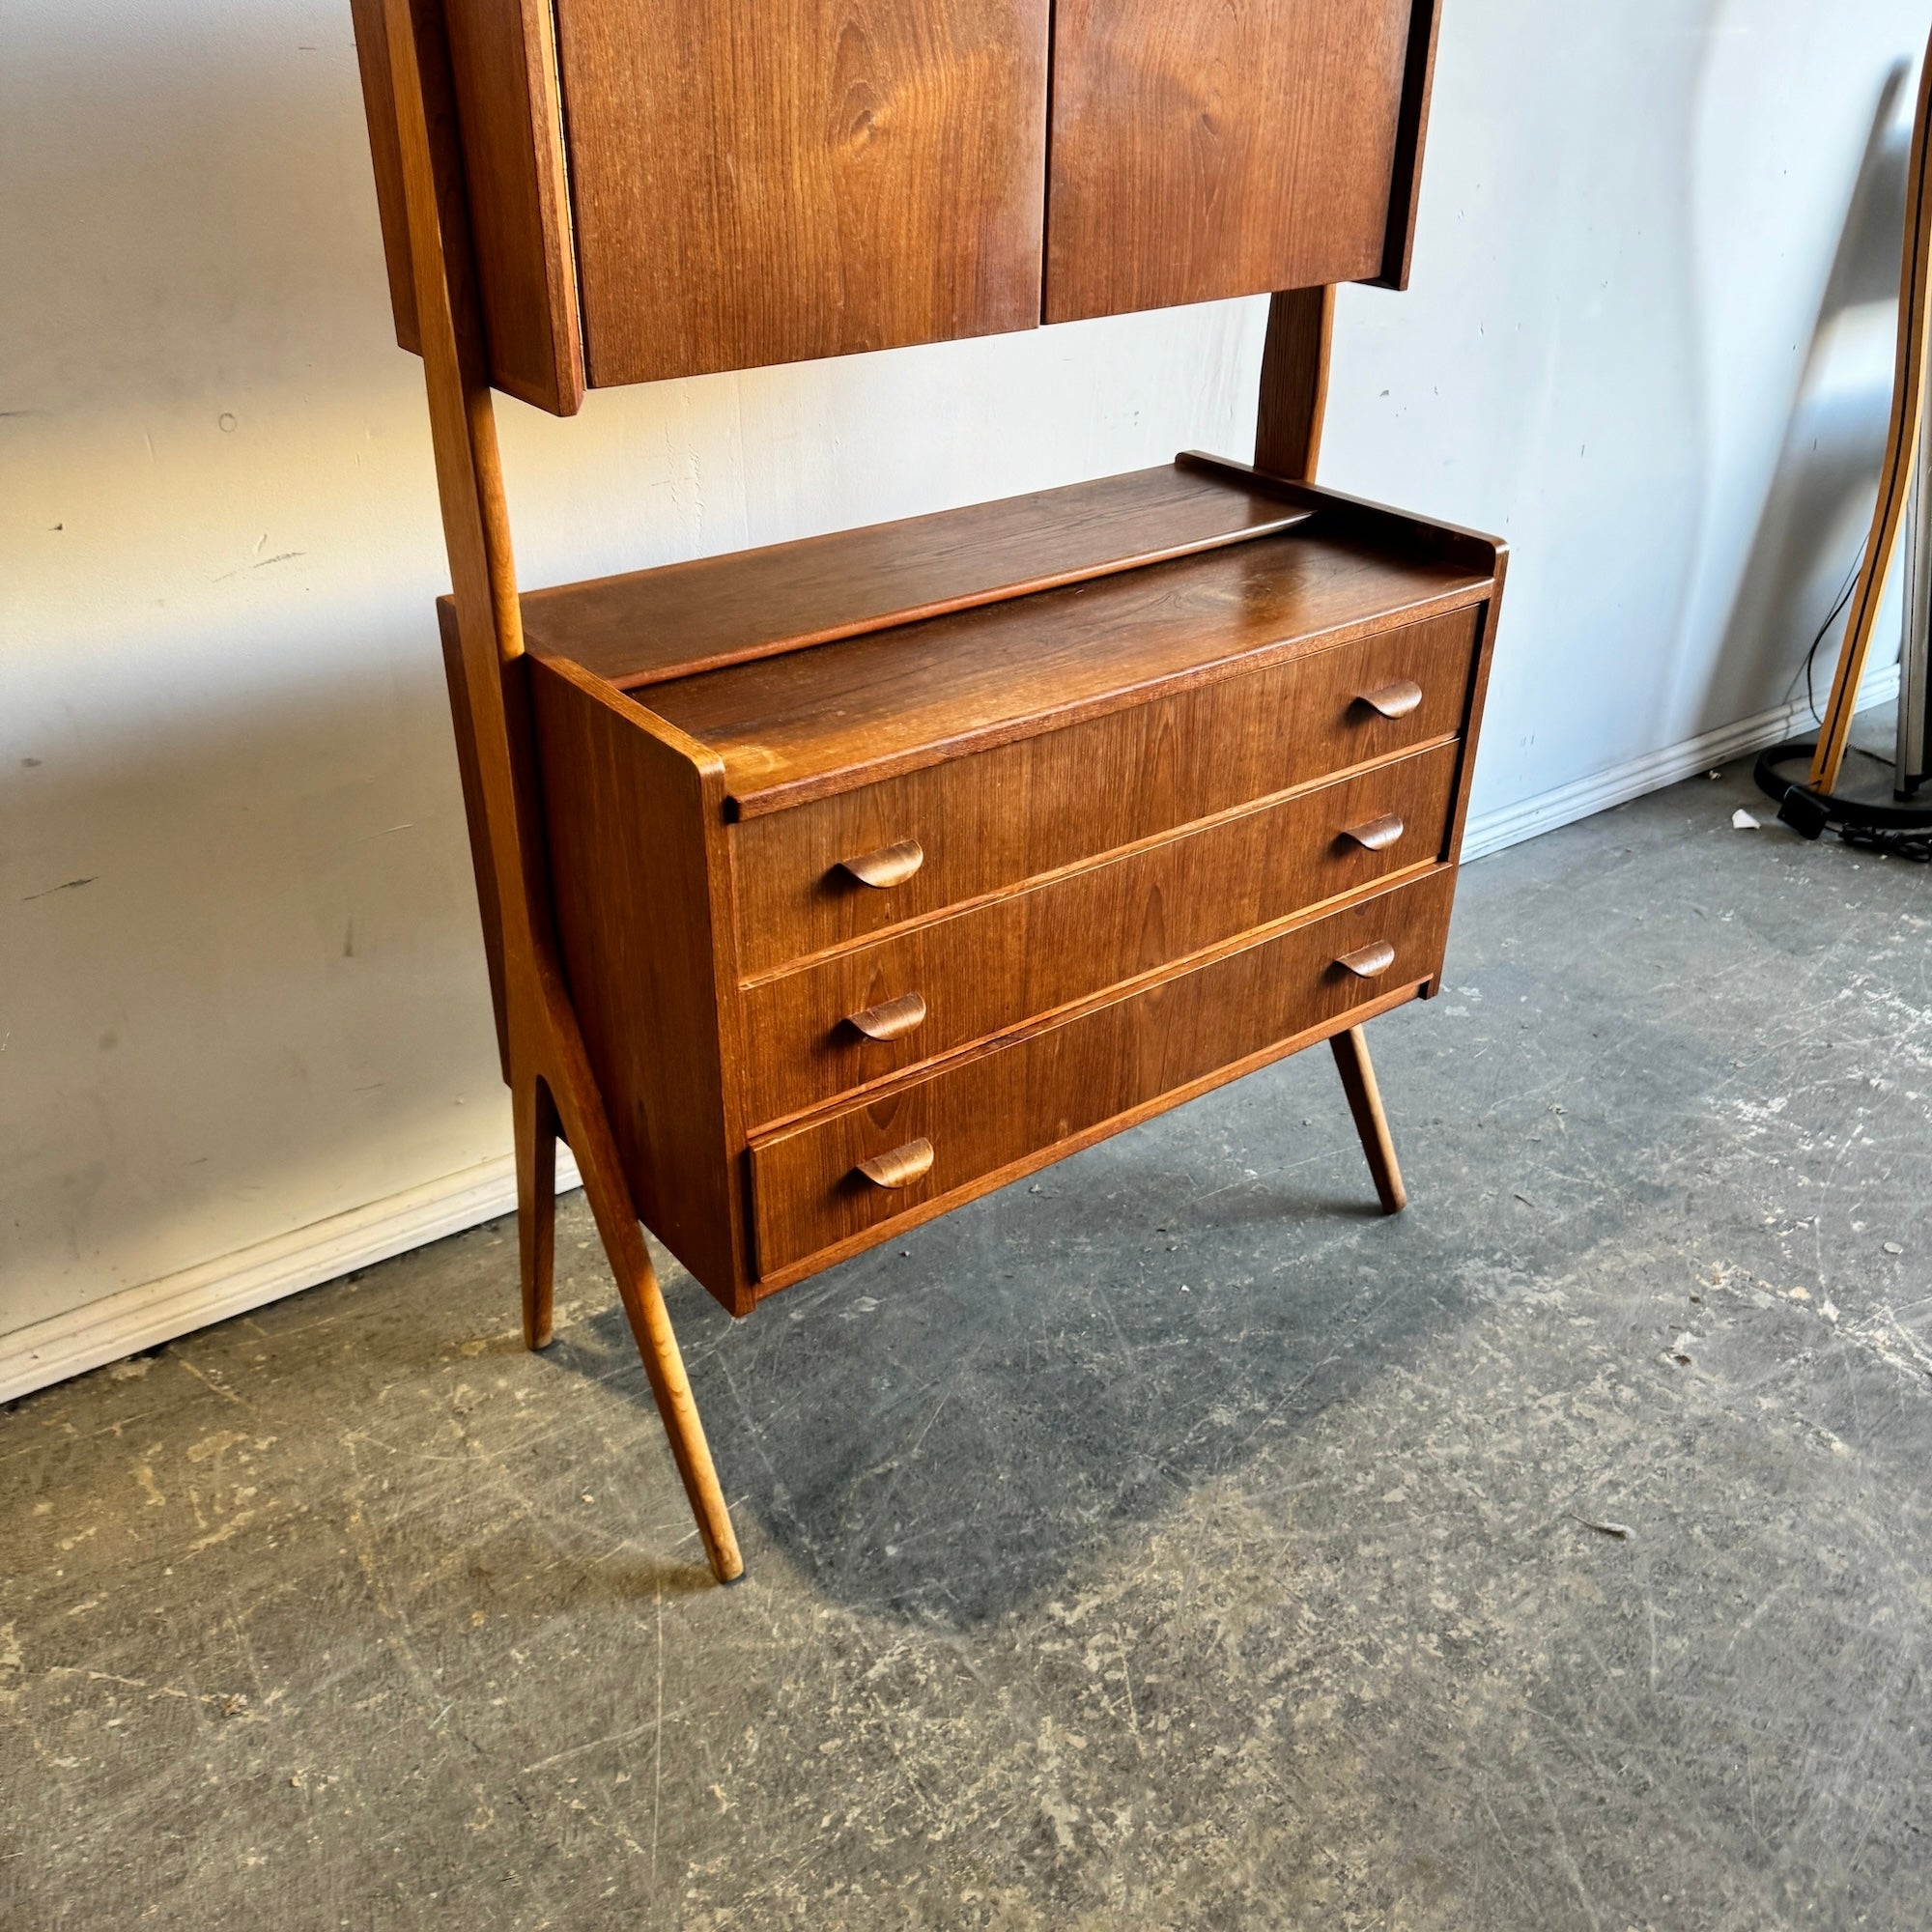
(1170, 1542)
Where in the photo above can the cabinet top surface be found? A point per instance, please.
(816, 721)
(648, 626)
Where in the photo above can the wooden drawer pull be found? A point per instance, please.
(888, 866)
(1393, 700)
(901, 1167)
(1379, 833)
(1369, 962)
(889, 1019)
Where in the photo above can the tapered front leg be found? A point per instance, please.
(584, 1123)
(1365, 1102)
(536, 1204)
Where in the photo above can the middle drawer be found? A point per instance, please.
(857, 1016)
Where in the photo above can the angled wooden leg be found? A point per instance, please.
(677, 1408)
(536, 1204)
(590, 1140)
(1365, 1102)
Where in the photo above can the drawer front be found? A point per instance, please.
(876, 1009)
(998, 817)
(964, 1123)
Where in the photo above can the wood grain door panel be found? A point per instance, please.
(991, 820)
(766, 181)
(1210, 148)
(1067, 1084)
(1019, 957)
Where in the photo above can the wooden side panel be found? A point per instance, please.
(767, 181)
(1212, 148)
(1411, 137)
(1009, 960)
(508, 126)
(505, 67)
(378, 106)
(488, 906)
(1472, 725)
(1109, 1065)
(1060, 797)
(633, 818)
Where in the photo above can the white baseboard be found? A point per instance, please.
(1512, 824)
(144, 1316)
(134, 1319)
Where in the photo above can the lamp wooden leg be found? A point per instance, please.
(1365, 1102)
(536, 1206)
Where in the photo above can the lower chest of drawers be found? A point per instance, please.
(824, 1005)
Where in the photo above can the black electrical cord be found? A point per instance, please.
(1817, 642)
(1914, 846)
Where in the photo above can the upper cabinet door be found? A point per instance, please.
(766, 181)
(1212, 148)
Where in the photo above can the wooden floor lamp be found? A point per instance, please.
(1901, 450)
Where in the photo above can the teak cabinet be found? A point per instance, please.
(827, 886)
(673, 187)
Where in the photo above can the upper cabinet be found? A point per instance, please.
(662, 187)
(1212, 148)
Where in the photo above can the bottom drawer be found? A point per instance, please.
(808, 1192)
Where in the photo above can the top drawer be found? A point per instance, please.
(990, 820)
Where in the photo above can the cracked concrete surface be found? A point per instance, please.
(1166, 1542)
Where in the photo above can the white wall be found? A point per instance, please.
(244, 1026)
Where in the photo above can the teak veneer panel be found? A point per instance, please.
(1203, 149)
(800, 727)
(1059, 797)
(1060, 1084)
(680, 619)
(1009, 960)
(766, 181)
